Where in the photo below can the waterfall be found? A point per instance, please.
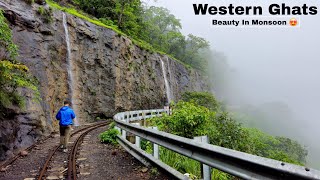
(170, 77)
(68, 58)
(69, 66)
(166, 83)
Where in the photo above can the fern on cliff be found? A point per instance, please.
(6, 38)
(12, 73)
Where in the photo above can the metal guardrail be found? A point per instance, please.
(236, 163)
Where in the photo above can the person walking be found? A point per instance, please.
(65, 117)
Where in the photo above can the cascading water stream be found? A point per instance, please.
(166, 83)
(170, 77)
(69, 66)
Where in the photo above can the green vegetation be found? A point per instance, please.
(151, 28)
(180, 162)
(41, 10)
(13, 74)
(6, 38)
(200, 114)
(187, 120)
(202, 99)
(154, 172)
(279, 148)
(109, 136)
(46, 14)
(29, 1)
(228, 133)
(188, 165)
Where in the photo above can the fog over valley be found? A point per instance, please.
(268, 77)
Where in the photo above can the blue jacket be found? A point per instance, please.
(65, 116)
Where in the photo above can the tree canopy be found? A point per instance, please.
(153, 25)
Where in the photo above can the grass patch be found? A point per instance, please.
(81, 15)
(184, 165)
(109, 136)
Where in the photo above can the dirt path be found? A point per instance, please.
(29, 166)
(96, 161)
(102, 161)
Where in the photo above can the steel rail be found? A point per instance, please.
(14, 158)
(72, 169)
(51, 154)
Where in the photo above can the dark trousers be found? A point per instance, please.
(64, 135)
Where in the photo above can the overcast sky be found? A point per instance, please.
(274, 64)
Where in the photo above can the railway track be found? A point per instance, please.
(71, 167)
(14, 158)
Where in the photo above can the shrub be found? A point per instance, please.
(6, 41)
(46, 14)
(146, 146)
(109, 136)
(205, 99)
(226, 132)
(187, 120)
(108, 22)
(41, 10)
(29, 1)
(112, 125)
(278, 148)
(190, 119)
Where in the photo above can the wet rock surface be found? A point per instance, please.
(110, 74)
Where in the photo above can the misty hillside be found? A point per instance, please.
(111, 56)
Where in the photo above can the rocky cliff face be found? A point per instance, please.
(110, 73)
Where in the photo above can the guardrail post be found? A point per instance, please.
(124, 133)
(155, 147)
(138, 140)
(143, 119)
(116, 127)
(205, 169)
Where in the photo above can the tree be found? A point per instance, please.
(292, 148)
(176, 44)
(129, 17)
(154, 25)
(126, 14)
(205, 99)
(98, 8)
(160, 27)
(162, 30)
(226, 132)
(193, 54)
(278, 148)
(121, 5)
